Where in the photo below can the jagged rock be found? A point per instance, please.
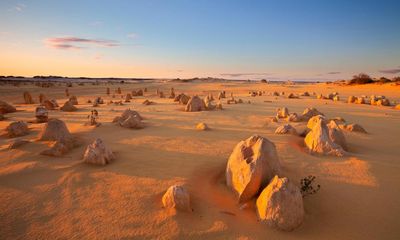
(336, 98)
(355, 128)
(54, 130)
(202, 126)
(252, 164)
(17, 129)
(73, 100)
(209, 103)
(280, 205)
(282, 112)
(286, 129)
(129, 119)
(383, 102)
(6, 108)
(172, 93)
(140, 92)
(68, 107)
(274, 119)
(195, 104)
(293, 117)
(182, 99)
(177, 197)
(42, 97)
(128, 97)
(310, 112)
(50, 104)
(17, 143)
(221, 95)
(318, 140)
(41, 114)
(312, 121)
(28, 98)
(98, 153)
(336, 135)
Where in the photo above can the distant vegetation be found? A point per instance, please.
(363, 78)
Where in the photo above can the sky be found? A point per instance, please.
(271, 39)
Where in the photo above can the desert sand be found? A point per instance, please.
(44, 197)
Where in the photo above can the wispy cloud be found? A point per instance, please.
(243, 74)
(96, 23)
(333, 73)
(391, 71)
(75, 43)
(20, 7)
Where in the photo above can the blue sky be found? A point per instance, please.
(286, 39)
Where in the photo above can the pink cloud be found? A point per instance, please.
(75, 42)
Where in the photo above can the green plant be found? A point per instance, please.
(307, 187)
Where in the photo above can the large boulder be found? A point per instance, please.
(60, 147)
(312, 121)
(318, 141)
(177, 197)
(129, 119)
(355, 128)
(54, 130)
(6, 108)
(28, 98)
(97, 153)
(182, 99)
(68, 107)
(280, 205)
(286, 129)
(252, 164)
(195, 104)
(336, 134)
(17, 129)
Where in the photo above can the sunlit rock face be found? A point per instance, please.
(252, 164)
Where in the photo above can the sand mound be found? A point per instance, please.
(17, 129)
(177, 197)
(6, 108)
(286, 129)
(98, 153)
(195, 104)
(251, 166)
(54, 130)
(280, 205)
(318, 140)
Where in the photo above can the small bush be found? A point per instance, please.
(307, 187)
(361, 78)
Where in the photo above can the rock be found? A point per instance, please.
(128, 97)
(336, 98)
(351, 99)
(60, 147)
(177, 197)
(291, 95)
(219, 106)
(286, 129)
(293, 117)
(221, 95)
(310, 112)
(209, 103)
(276, 94)
(252, 164)
(108, 91)
(305, 94)
(41, 114)
(172, 93)
(42, 97)
(274, 119)
(54, 130)
(312, 121)
(195, 104)
(17, 129)
(118, 91)
(28, 98)
(383, 102)
(360, 100)
(98, 100)
(355, 128)
(202, 126)
(336, 134)
(280, 205)
(68, 107)
(161, 94)
(182, 99)
(98, 153)
(50, 104)
(17, 143)
(397, 106)
(318, 140)
(282, 112)
(147, 102)
(129, 119)
(6, 108)
(140, 92)
(73, 100)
